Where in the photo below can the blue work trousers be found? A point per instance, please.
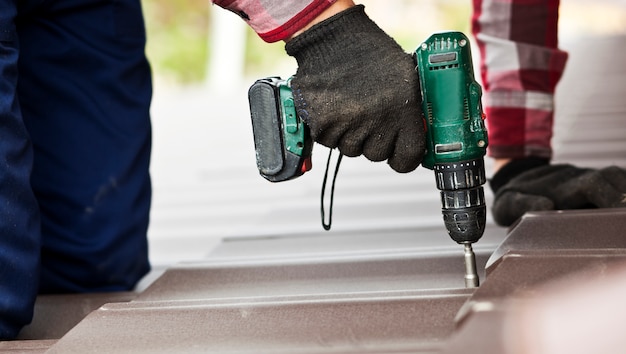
(75, 136)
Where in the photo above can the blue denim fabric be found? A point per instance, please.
(19, 214)
(83, 89)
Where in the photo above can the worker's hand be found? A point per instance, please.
(358, 90)
(557, 187)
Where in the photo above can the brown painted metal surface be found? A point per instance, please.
(571, 231)
(524, 275)
(359, 323)
(543, 249)
(482, 333)
(337, 244)
(56, 314)
(208, 280)
(26, 346)
(531, 309)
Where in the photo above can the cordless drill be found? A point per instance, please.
(456, 138)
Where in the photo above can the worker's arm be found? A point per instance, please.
(281, 20)
(355, 86)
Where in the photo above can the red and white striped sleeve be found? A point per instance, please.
(521, 65)
(275, 20)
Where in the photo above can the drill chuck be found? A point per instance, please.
(463, 207)
(462, 199)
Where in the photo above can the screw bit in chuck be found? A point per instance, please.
(471, 275)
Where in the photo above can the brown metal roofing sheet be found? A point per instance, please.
(358, 323)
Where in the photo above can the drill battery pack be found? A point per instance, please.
(282, 141)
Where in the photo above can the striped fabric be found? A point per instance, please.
(520, 67)
(275, 20)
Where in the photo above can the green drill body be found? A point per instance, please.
(451, 100)
(456, 138)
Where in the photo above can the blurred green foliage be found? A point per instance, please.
(177, 38)
(261, 57)
(178, 41)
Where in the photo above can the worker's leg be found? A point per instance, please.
(19, 215)
(520, 67)
(85, 91)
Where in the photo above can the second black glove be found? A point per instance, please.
(554, 187)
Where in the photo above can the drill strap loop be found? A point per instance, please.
(325, 225)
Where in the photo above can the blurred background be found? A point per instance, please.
(182, 34)
(206, 185)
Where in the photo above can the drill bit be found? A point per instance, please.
(471, 275)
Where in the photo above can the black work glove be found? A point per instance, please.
(554, 187)
(358, 90)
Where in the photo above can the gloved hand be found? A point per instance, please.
(358, 90)
(554, 187)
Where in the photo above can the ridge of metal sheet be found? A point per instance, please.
(589, 229)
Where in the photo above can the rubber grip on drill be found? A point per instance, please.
(266, 128)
